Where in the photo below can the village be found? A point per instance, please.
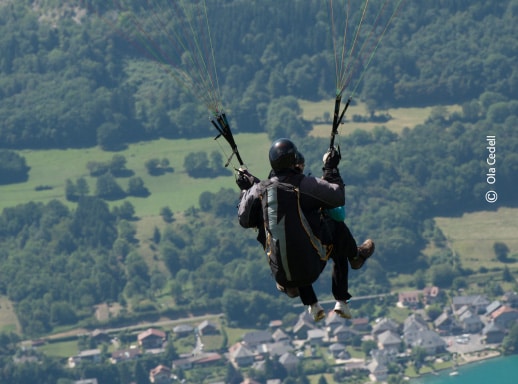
(469, 328)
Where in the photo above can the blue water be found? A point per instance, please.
(501, 370)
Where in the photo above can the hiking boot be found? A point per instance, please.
(342, 309)
(291, 292)
(316, 311)
(364, 252)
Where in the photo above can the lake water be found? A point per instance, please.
(501, 370)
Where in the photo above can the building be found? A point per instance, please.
(152, 338)
(505, 317)
(207, 328)
(125, 355)
(89, 355)
(160, 375)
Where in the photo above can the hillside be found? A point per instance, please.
(74, 93)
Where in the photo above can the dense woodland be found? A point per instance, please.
(87, 83)
(65, 84)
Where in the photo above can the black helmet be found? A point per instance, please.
(283, 154)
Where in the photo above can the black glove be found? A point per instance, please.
(245, 179)
(331, 158)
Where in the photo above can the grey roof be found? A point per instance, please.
(385, 324)
(389, 337)
(336, 347)
(257, 337)
(429, 339)
(493, 307)
(490, 328)
(476, 300)
(288, 358)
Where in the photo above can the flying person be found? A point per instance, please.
(316, 197)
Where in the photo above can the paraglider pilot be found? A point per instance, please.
(318, 198)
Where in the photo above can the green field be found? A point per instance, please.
(8, 320)
(176, 190)
(473, 234)
(401, 117)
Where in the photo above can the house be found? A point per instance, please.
(99, 337)
(505, 316)
(510, 299)
(476, 303)
(316, 336)
(302, 327)
(470, 322)
(378, 371)
(383, 325)
(333, 321)
(275, 349)
(160, 375)
(344, 334)
(207, 328)
(255, 338)
(184, 364)
(389, 340)
(337, 349)
(492, 334)
(289, 361)
(430, 341)
(410, 299)
(125, 355)
(183, 330)
(89, 355)
(492, 307)
(413, 326)
(361, 324)
(446, 324)
(204, 359)
(152, 338)
(242, 356)
(279, 335)
(431, 295)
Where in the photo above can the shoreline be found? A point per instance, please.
(468, 359)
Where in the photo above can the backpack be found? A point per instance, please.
(295, 253)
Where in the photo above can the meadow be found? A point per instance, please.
(178, 191)
(51, 168)
(401, 118)
(473, 235)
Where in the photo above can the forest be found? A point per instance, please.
(87, 84)
(70, 81)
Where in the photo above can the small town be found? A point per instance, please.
(470, 329)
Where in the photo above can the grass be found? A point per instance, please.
(472, 236)
(176, 190)
(61, 349)
(401, 117)
(8, 320)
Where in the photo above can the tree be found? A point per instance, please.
(510, 342)
(109, 136)
(136, 187)
(368, 346)
(108, 188)
(167, 214)
(501, 251)
(196, 164)
(13, 167)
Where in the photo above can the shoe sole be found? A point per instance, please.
(342, 314)
(319, 316)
